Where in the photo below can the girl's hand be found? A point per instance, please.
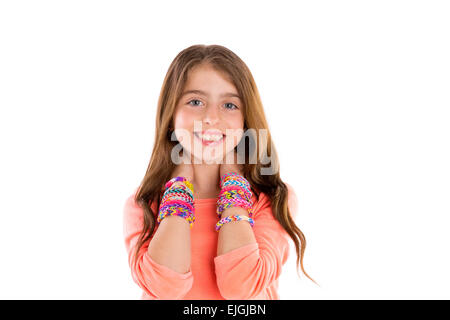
(232, 167)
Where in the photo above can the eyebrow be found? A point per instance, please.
(227, 94)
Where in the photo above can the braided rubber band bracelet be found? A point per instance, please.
(182, 179)
(175, 192)
(224, 203)
(228, 219)
(244, 193)
(233, 187)
(177, 211)
(236, 185)
(183, 187)
(235, 192)
(234, 180)
(177, 208)
(178, 200)
(233, 176)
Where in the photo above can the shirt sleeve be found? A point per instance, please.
(245, 272)
(158, 281)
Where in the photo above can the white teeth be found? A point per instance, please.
(208, 137)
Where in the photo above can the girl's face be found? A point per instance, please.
(208, 119)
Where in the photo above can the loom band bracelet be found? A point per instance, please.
(182, 179)
(236, 186)
(180, 214)
(187, 212)
(182, 198)
(173, 180)
(174, 208)
(235, 177)
(244, 184)
(233, 197)
(237, 200)
(235, 192)
(178, 197)
(180, 188)
(225, 205)
(224, 176)
(221, 208)
(239, 190)
(232, 218)
(180, 211)
(172, 212)
(232, 194)
(178, 203)
(179, 193)
(232, 175)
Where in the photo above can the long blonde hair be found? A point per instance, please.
(161, 167)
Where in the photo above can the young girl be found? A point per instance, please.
(217, 224)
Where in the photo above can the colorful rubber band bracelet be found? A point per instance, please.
(228, 219)
(181, 179)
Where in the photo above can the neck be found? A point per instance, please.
(206, 180)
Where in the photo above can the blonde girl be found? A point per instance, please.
(212, 218)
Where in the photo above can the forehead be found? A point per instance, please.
(207, 79)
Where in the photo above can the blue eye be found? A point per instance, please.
(234, 106)
(193, 100)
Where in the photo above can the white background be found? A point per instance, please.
(357, 98)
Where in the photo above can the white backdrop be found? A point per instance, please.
(357, 98)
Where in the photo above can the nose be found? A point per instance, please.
(211, 116)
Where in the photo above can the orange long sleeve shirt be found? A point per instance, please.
(250, 272)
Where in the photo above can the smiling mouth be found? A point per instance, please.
(209, 140)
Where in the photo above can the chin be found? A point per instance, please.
(208, 159)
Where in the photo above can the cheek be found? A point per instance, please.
(235, 124)
(183, 119)
(240, 121)
(234, 120)
(235, 131)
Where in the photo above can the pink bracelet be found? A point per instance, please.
(242, 191)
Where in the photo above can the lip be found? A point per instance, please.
(207, 143)
(211, 132)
